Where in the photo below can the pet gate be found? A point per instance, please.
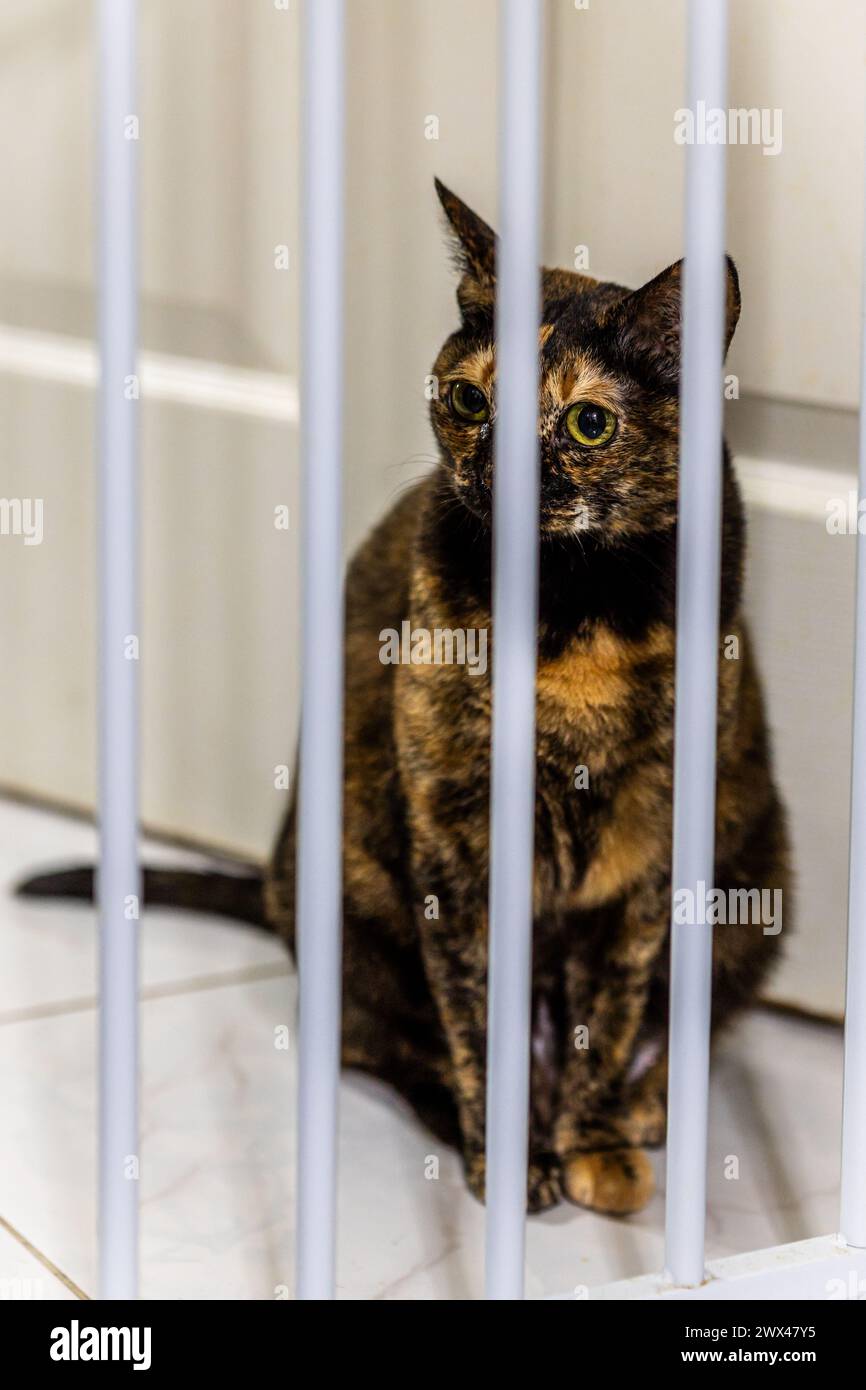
(800, 1270)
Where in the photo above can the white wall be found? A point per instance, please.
(219, 118)
(615, 176)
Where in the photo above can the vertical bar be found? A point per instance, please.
(321, 746)
(698, 560)
(852, 1219)
(515, 621)
(119, 879)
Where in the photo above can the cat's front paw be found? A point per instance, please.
(617, 1181)
(646, 1123)
(475, 1168)
(543, 1185)
(543, 1189)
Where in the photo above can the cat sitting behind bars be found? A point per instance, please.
(417, 748)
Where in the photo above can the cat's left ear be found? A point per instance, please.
(649, 321)
(474, 245)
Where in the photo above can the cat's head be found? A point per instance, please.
(608, 413)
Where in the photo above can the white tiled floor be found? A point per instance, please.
(218, 1116)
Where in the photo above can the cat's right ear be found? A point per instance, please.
(474, 251)
(649, 321)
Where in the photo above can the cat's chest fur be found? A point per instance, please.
(603, 693)
(604, 714)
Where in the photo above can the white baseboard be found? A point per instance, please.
(182, 380)
(791, 489)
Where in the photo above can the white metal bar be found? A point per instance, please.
(319, 895)
(822, 1268)
(852, 1217)
(119, 890)
(515, 606)
(698, 558)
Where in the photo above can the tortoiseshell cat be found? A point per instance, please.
(417, 750)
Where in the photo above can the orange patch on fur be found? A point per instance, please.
(478, 368)
(632, 844)
(582, 379)
(598, 670)
(593, 677)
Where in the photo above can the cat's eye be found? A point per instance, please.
(590, 424)
(469, 402)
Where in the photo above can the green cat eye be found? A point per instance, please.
(590, 424)
(469, 402)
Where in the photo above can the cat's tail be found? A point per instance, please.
(236, 895)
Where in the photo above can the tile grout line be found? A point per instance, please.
(195, 984)
(44, 1260)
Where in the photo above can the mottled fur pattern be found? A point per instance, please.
(418, 750)
(417, 754)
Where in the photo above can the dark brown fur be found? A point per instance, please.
(417, 753)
